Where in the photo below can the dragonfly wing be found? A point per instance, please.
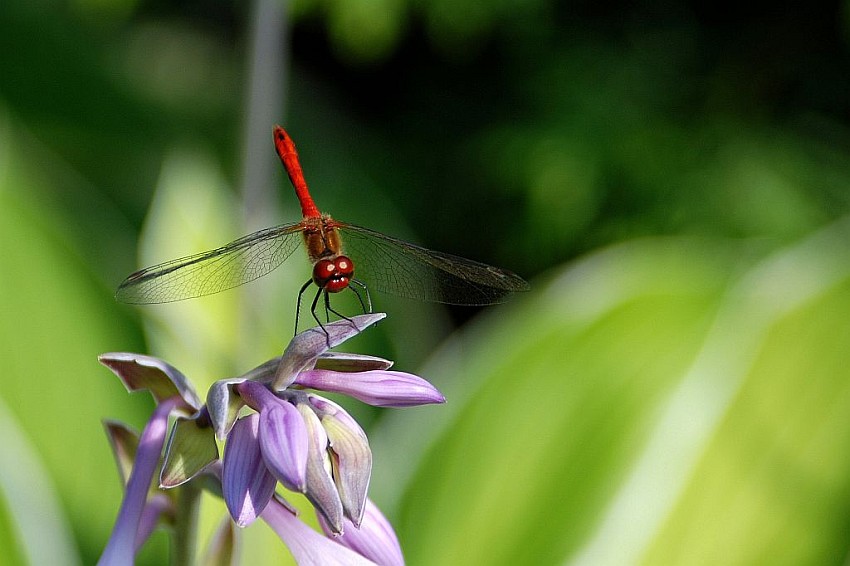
(229, 266)
(400, 268)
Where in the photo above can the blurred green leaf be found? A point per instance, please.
(543, 430)
(656, 403)
(366, 30)
(55, 318)
(37, 531)
(192, 211)
(770, 484)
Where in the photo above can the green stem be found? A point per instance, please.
(186, 525)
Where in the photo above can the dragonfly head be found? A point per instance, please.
(333, 274)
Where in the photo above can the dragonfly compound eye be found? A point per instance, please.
(333, 275)
(344, 266)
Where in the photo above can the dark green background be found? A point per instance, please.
(671, 177)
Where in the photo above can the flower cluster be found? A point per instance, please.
(276, 430)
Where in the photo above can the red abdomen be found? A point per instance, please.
(286, 151)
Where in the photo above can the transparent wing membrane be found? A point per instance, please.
(229, 266)
(407, 270)
(380, 262)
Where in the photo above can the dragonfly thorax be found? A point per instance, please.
(321, 238)
(333, 274)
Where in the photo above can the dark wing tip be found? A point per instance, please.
(508, 280)
(132, 289)
(127, 293)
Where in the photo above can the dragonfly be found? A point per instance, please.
(336, 249)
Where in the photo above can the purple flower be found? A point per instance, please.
(306, 442)
(246, 483)
(137, 516)
(291, 436)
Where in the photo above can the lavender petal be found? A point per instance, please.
(350, 455)
(380, 388)
(284, 444)
(138, 372)
(223, 405)
(303, 351)
(283, 435)
(158, 505)
(246, 482)
(375, 539)
(308, 547)
(321, 490)
(121, 546)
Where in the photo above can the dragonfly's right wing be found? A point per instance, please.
(240, 261)
(407, 270)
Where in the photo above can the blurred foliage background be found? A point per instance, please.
(672, 177)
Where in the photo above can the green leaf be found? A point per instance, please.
(191, 448)
(55, 317)
(654, 404)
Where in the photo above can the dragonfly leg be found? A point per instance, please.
(298, 307)
(367, 306)
(328, 309)
(313, 311)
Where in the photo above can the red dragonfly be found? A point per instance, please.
(387, 264)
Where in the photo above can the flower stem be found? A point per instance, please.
(186, 525)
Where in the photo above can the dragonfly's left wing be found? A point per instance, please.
(238, 262)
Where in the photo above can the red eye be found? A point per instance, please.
(345, 266)
(323, 270)
(333, 275)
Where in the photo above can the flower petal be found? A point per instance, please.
(321, 490)
(381, 388)
(246, 482)
(158, 506)
(375, 539)
(303, 351)
(350, 455)
(341, 361)
(124, 442)
(191, 448)
(283, 434)
(121, 546)
(137, 372)
(308, 547)
(224, 405)
(338, 361)
(284, 444)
